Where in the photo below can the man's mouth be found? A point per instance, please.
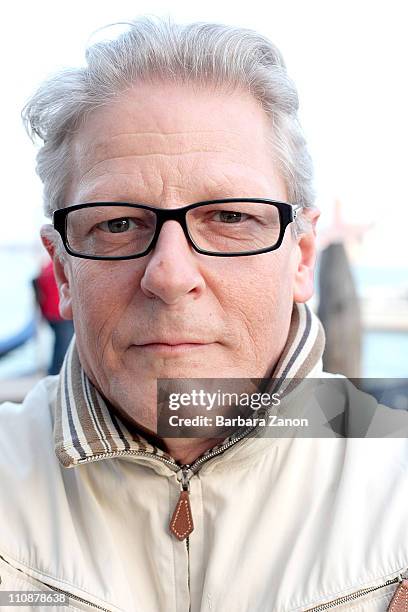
(172, 346)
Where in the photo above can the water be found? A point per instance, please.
(370, 280)
(391, 280)
(17, 268)
(385, 354)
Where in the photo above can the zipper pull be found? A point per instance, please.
(181, 524)
(399, 602)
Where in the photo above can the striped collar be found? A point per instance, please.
(86, 427)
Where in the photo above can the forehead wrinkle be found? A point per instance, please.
(237, 169)
(182, 133)
(128, 158)
(131, 163)
(193, 187)
(112, 145)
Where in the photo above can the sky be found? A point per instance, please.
(348, 59)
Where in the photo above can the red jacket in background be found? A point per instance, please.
(47, 293)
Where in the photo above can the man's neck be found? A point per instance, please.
(186, 450)
(183, 450)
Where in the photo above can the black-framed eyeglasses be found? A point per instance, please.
(232, 227)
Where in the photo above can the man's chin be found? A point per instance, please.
(181, 361)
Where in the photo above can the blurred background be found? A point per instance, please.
(348, 60)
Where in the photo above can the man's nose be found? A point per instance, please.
(172, 270)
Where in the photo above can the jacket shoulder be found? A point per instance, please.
(29, 468)
(26, 429)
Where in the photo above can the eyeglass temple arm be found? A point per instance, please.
(295, 210)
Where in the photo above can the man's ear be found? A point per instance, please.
(50, 240)
(306, 258)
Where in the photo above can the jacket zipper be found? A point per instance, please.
(175, 467)
(112, 454)
(57, 590)
(184, 472)
(188, 561)
(356, 595)
(80, 599)
(185, 483)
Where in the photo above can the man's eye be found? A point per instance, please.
(117, 226)
(230, 216)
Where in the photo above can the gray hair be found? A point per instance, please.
(152, 49)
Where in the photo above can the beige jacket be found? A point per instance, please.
(280, 524)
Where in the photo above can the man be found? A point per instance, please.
(183, 242)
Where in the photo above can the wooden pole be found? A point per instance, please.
(339, 312)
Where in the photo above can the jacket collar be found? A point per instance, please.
(86, 427)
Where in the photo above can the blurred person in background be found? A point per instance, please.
(47, 297)
(183, 239)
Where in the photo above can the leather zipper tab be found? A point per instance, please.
(399, 602)
(181, 524)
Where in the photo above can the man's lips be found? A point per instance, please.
(172, 346)
(172, 340)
